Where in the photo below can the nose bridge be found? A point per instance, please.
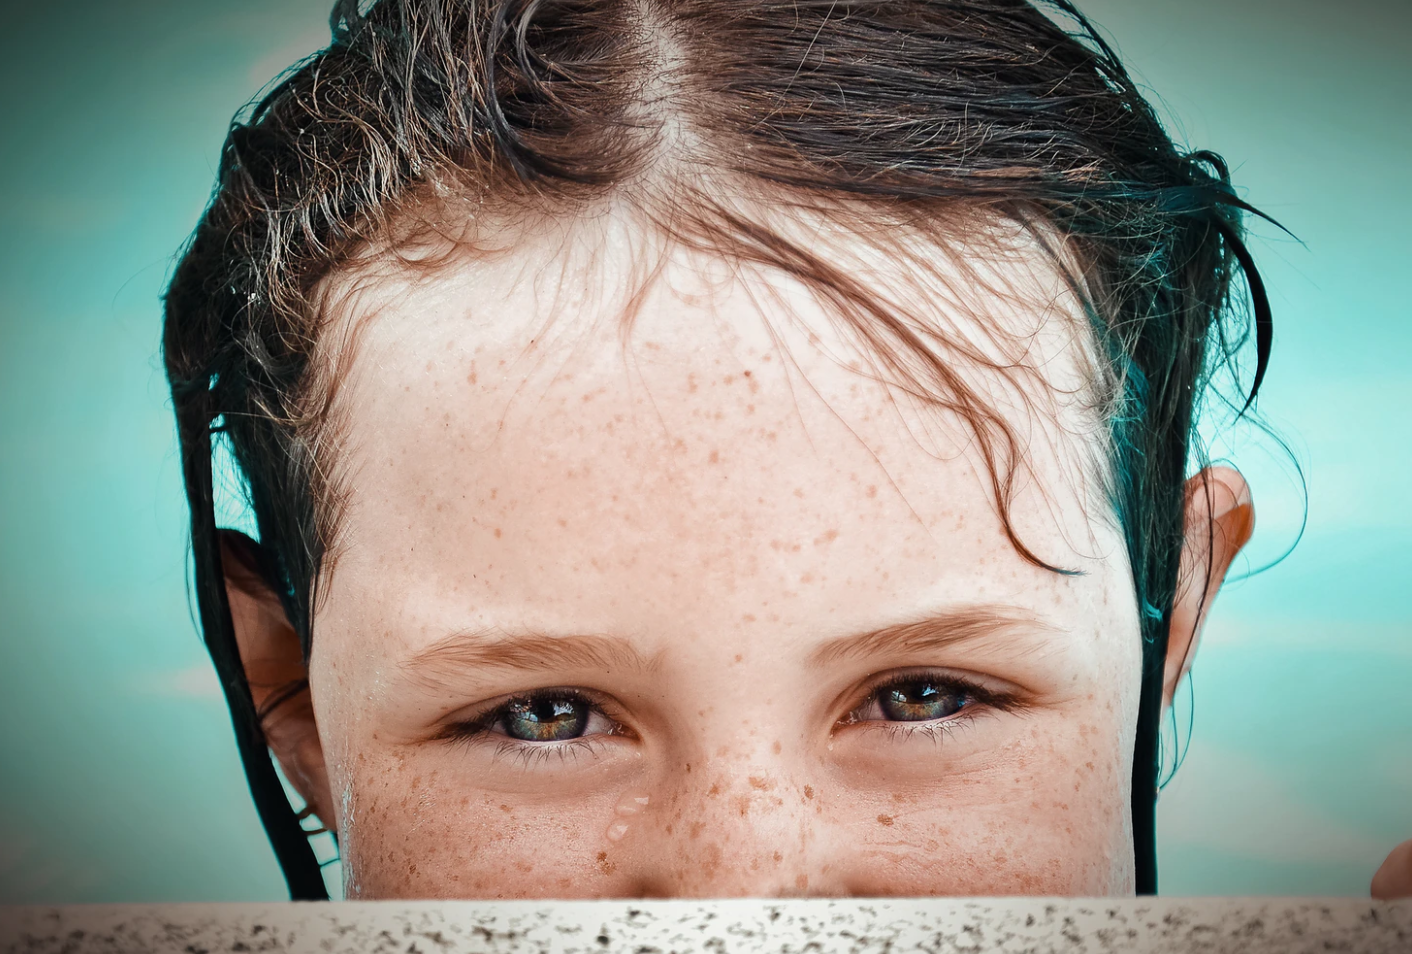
(736, 829)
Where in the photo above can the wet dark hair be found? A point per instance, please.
(926, 115)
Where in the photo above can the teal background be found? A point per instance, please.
(120, 780)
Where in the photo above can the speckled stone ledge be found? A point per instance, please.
(938, 925)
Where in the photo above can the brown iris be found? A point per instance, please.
(921, 701)
(545, 719)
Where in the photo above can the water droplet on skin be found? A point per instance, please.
(632, 805)
(629, 806)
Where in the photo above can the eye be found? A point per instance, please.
(544, 718)
(538, 717)
(922, 698)
(921, 701)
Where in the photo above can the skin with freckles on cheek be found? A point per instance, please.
(705, 610)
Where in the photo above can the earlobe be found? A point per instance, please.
(1220, 519)
(274, 667)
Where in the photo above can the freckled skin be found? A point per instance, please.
(726, 502)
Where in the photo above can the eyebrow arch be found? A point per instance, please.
(967, 624)
(494, 648)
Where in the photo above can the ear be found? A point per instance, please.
(1220, 519)
(274, 667)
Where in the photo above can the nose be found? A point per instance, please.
(734, 831)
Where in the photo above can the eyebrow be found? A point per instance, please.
(966, 624)
(495, 648)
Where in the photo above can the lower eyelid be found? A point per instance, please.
(960, 718)
(530, 754)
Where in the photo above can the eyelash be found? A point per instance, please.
(531, 754)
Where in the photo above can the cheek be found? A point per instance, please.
(1050, 819)
(413, 835)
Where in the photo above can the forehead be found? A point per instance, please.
(606, 431)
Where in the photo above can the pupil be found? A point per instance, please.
(921, 702)
(545, 719)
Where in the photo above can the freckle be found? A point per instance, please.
(776, 748)
(715, 457)
(872, 490)
(749, 617)
(778, 857)
(885, 820)
(738, 657)
(493, 492)
(746, 373)
(808, 791)
(714, 791)
(801, 882)
(696, 829)
(505, 808)
(799, 492)
(807, 578)
(760, 783)
(563, 522)
(497, 533)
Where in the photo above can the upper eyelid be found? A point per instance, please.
(484, 711)
(984, 694)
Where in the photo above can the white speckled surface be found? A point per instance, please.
(940, 925)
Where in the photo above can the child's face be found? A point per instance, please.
(710, 614)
